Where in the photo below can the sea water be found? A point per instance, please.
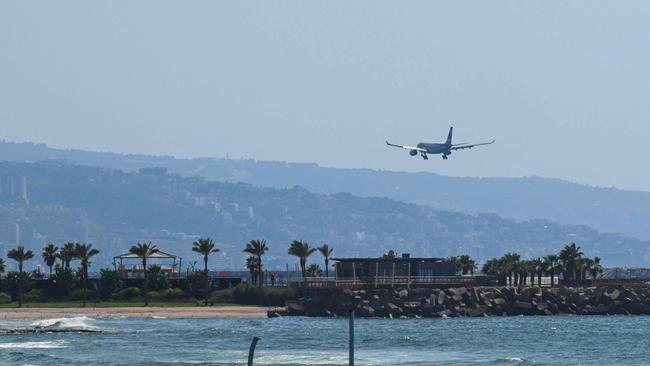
(559, 340)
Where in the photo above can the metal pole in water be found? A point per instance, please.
(351, 346)
(251, 351)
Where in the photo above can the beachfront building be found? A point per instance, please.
(129, 265)
(389, 270)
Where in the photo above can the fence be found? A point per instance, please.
(383, 281)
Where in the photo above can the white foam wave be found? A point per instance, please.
(78, 322)
(47, 344)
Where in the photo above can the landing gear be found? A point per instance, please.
(444, 156)
(424, 156)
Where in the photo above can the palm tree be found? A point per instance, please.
(495, 267)
(553, 266)
(326, 251)
(511, 265)
(2, 268)
(584, 267)
(144, 250)
(568, 257)
(20, 255)
(543, 267)
(205, 247)
(536, 269)
(596, 269)
(257, 248)
(314, 270)
(253, 267)
(302, 251)
(467, 265)
(84, 252)
(50, 254)
(67, 254)
(454, 261)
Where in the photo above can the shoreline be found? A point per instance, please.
(137, 312)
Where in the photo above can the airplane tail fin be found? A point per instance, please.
(451, 131)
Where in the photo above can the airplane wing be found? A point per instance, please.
(460, 147)
(407, 147)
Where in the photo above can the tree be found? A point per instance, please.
(454, 261)
(314, 270)
(2, 268)
(84, 252)
(50, 254)
(552, 263)
(326, 251)
(467, 265)
(205, 247)
(511, 266)
(67, 254)
(302, 251)
(569, 257)
(596, 269)
(536, 269)
(495, 267)
(257, 248)
(253, 267)
(20, 255)
(144, 250)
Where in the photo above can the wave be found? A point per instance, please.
(25, 345)
(78, 322)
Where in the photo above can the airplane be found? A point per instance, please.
(445, 149)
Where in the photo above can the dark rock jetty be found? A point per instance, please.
(473, 302)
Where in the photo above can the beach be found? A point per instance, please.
(167, 312)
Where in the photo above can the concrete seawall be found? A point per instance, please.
(478, 301)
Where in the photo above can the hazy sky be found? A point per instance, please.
(564, 87)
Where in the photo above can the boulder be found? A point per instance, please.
(403, 293)
(441, 297)
(522, 305)
(393, 309)
(613, 295)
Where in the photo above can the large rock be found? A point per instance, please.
(613, 295)
(403, 293)
(441, 297)
(522, 305)
(394, 310)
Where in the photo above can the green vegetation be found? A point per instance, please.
(205, 247)
(257, 248)
(143, 251)
(326, 251)
(570, 262)
(302, 251)
(254, 295)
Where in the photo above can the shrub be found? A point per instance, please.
(157, 278)
(127, 294)
(270, 296)
(109, 282)
(175, 294)
(169, 294)
(81, 294)
(5, 298)
(35, 295)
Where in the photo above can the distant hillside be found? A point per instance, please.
(605, 209)
(56, 202)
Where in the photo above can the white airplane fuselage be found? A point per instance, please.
(435, 148)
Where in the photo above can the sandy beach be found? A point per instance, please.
(168, 312)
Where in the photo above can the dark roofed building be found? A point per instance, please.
(389, 266)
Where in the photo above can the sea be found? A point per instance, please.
(555, 340)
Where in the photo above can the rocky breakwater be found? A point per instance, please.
(473, 302)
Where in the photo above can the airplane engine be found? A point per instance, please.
(413, 152)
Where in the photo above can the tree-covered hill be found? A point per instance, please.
(604, 209)
(114, 209)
